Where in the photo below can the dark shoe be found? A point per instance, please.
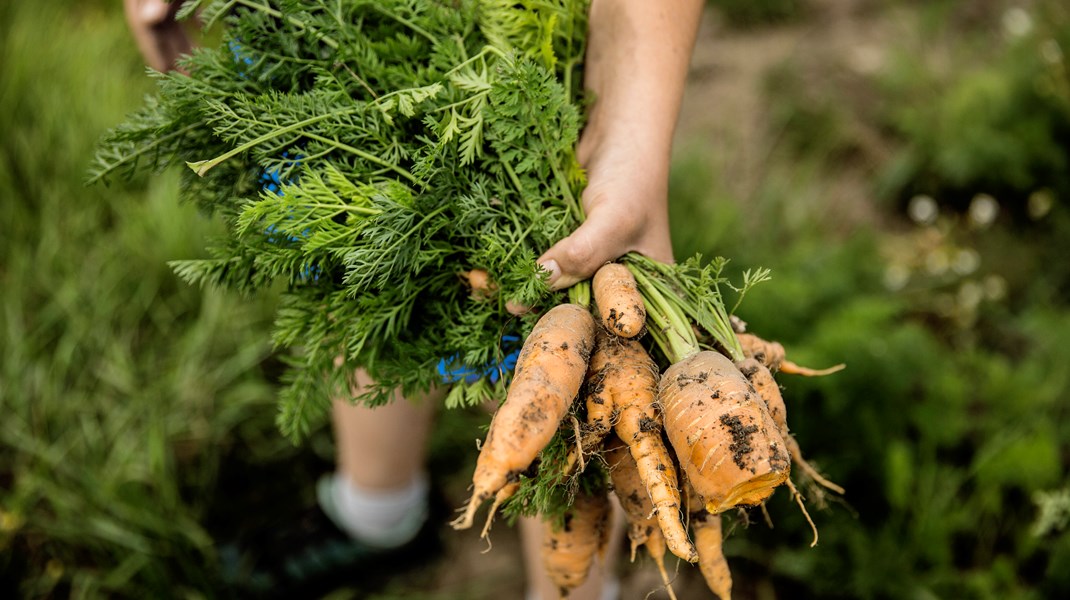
(311, 556)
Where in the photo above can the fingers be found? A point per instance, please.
(578, 256)
(154, 12)
(159, 37)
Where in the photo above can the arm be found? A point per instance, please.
(637, 60)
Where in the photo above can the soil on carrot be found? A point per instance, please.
(741, 435)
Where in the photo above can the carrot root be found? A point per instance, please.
(793, 369)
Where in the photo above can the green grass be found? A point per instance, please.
(119, 385)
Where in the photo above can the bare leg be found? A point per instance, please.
(602, 571)
(383, 448)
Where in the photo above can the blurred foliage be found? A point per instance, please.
(965, 115)
(753, 13)
(120, 386)
(992, 117)
(949, 428)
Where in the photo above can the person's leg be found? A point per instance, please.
(380, 487)
(602, 582)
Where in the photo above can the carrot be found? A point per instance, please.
(761, 377)
(706, 528)
(764, 383)
(772, 355)
(629, 383)
(643, 528)
(728, 444)
(480, 284)
(618, 300)
(601, 410)
(568, 551)
(548, 374)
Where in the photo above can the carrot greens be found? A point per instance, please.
(364, 155)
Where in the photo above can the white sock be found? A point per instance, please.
(610, 591)
(380, 518)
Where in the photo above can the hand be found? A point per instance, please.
(161, 39)
(626, 202)
(636, 67)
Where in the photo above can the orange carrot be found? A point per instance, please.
(569, 551)
(480, 284)
(728, 444)
(547, 378)
(629, 382)
(601, 411)
(772, 355)
(706, 528)
(618, 300)
(643, 528)
(764, 383)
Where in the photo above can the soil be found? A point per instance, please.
(726, 111)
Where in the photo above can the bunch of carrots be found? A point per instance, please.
(681, 446)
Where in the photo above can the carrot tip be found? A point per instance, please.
(465, 521)
(793, 369)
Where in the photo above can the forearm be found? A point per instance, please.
(637, 61)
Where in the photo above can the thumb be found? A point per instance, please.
(579, 255)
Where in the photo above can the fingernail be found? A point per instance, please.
(551, 267)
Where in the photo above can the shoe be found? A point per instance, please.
(311, 556)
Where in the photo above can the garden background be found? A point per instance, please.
(902, 166)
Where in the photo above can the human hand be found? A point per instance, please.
(636, 67)
(626, 203)
(161, 39)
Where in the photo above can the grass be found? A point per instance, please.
(119, 384)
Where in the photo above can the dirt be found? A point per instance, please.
(726, 112)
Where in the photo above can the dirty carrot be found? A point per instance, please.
(643, 528)
(728, 445)
(479, 283)
(569, 550)
(764, 383)
(706, 528)
(629, 384)
(548, 374)
(619, 301)
(601, 411)
(772, 355)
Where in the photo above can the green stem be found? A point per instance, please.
(705, 308)
(202, 167)
(478, 55)
(141, 152)
(366, 156)
(413, 26)
(350, 208)
(580, 294)
(326, 39)
(677, 338)
(513, 177)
